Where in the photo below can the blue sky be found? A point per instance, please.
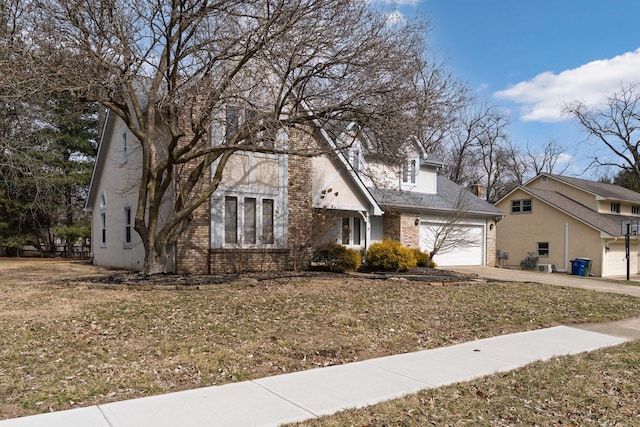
(530, 57)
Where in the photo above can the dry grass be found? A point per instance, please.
(67, 344)
(600, 388)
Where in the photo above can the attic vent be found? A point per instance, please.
(544, 179)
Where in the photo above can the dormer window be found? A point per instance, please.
(409, 171)
(615, 207)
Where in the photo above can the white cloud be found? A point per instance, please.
(543, 97)
(395, 17)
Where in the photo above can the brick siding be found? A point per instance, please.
(401, 226)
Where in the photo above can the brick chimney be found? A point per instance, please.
(477, 189)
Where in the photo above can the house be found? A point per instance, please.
(559, 219)
(411, 203)
(270, 209)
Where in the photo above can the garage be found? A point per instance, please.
(617, 262)
(463, 245)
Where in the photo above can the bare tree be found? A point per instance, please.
(616, 125)
(449, 233)
(547, 160)
(173, 71)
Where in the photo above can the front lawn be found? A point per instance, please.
(68, 342)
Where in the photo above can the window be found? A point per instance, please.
(352, 231)
(615, 207)
(125, 149)
(249, 223)
(103, 221)
(241, 225)
(521, 206)
(267, 221)
(346, 230)
(232, 121)
(231, 220)
(127, 227)
(354, 159)
(635, 210)
(356, 232)
(409, 172)
(543, 249)
(103, 229)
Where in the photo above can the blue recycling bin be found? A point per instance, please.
(588, 262)
(577, 267)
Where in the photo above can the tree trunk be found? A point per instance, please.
(155, 261)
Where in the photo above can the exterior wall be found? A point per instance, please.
(518, 234)
(331, 189)
(551, 184)
(286, 179)
(625, 207)
(300, 212)
(384, 176)
(427, 180)
(490, 230)
(192, 247)
(401, 226)
(116, 181)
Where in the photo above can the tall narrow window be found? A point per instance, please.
(232, 121)
(103, 229)
(346, 231)
(267, 222)
(103, 221)
(354, 159)
(412, 171)
(125, 148)
(356, 231)
(249, 223)
(615, 207)
(409, 171)
(127, 226)
(231, 220)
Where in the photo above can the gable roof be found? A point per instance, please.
(446, 200)
(100, 159)
(607, 223)
(603, 190)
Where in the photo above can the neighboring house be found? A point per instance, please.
(270, 209)
(559, 219)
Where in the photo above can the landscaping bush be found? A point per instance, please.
(422, 258)
(337, 258)
(390, 255)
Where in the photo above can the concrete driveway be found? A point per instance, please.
(560, 279)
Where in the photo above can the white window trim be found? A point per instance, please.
(279, 236)
(124, 149)
(127, 244)
(103, 221)
(411, 166)
(351, 226)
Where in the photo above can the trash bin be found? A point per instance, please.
(587, 266)
(577, 267)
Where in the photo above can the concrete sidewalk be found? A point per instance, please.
(299, 396)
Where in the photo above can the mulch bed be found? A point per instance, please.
(435, 277)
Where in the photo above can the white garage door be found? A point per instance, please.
(465, 246)
(617, 262)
